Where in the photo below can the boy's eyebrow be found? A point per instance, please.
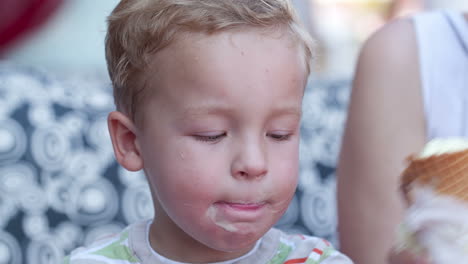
(288, 110)
(207, 109)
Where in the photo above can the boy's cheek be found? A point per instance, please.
(286, 159)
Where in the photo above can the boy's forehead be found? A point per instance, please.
(230, 38)
(199, 57)
(190, 49)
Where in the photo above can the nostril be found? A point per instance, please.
(249, 166)
(252, 175)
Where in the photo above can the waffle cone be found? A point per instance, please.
(446, 173)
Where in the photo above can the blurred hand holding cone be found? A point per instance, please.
(435, 185)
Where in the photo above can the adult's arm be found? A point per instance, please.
(385, 124)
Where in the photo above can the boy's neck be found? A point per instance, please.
(168, 239)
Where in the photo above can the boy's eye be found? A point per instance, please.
(209, 138)
(279, 137)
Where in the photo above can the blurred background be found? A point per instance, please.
(68, 35)
(60, 186)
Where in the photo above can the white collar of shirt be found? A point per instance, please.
(169, 261)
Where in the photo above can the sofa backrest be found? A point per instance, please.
(60, 186)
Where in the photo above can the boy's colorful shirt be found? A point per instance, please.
(131, 247)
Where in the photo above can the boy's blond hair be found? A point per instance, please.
(139, 28)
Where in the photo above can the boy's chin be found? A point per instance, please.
(231, 230)
(242, 239)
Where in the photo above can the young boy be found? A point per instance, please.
(208, 96)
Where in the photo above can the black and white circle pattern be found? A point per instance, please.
(60, 186)
(10, 251)
(13, 141)
(137, 203)
(92, 203)
(44, 251)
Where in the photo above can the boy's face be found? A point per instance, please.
(220, 135)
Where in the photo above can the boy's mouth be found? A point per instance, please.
(228, 214)
(242, 206)
(240, 211)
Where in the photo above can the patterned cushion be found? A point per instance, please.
(60, 186)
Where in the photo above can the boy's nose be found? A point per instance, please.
(250, 162)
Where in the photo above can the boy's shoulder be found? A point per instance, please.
(112, 249)
(299, 248)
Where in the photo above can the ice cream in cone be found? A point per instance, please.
(435, 185)
(442, 166)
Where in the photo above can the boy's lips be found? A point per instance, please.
(234, 211)
(243, 206)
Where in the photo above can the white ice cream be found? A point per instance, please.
(219, 221)
(443, 145)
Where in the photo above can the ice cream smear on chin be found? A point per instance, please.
(231, 215)
(219, 220)
(435, 185)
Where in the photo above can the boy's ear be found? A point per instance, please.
(124, 141)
